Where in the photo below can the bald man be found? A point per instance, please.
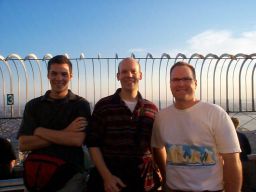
(119, 138)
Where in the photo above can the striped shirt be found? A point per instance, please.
(122, 136)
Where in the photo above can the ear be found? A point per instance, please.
(48, 75)
(71, 75)
(140, 75)
(196, 83)
(117, 76)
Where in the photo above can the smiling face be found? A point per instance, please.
(129, 75)
(59, 76)
(183, 86)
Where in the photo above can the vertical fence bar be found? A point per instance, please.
(218, 72)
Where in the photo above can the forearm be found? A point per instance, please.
(29, 143)
(159, 155)
(232, 172)
(98, 161)
(61, 137)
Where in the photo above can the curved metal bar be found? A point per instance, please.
(3, 84)
(93, 74)
(233, 82)
(159, 80)
(178, 56)
(48, 56)
(166, 79)
(210, 55)
(145, 66)
(29, 58)
(108, 74)
(82, 57)
(197, 56)
(227, 84)
(152, 70)
(99, 60)
(33, 78)
(212, 71)
(225, 55)
(246, 98)
(207, 80)
(132, 55)
(252, 80)
(240, 72)
(17, 57)
(116, 58)
(78, 76)
(11, 82)
(34, 57)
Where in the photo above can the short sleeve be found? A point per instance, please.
(156, 139)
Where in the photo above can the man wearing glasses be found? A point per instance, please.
(194, 143)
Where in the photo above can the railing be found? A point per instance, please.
(227, 80)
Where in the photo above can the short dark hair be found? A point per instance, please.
(59, 59)
(235, 121)
(182, 63)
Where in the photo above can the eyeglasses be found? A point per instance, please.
(184, 80)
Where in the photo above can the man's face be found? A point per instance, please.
(129, 75)
(59, 76)
(183, 84)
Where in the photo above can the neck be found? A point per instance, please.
(185, 104)
(58, 95)
(129, 96)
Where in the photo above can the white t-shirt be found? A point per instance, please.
(193, 138)
(131, 104)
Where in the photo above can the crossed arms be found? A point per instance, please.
(72, 135)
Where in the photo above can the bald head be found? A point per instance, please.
(128, 60)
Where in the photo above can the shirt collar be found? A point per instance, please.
(70, 96)
(118, 99)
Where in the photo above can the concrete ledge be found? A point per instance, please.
(14, 185)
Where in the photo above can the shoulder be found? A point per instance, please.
(34, 102)
(212, 112)
(210, 106)
(241, 135)
(165, 111)
(105, 101)
(149, 104)
(81, 99)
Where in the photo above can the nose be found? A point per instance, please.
(129, 74)
(59, 77)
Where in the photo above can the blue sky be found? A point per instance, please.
(107, 27)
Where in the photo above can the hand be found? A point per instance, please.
(113, 184)
(77, 125)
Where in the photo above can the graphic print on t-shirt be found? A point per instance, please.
(190, 155)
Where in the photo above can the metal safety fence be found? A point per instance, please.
(226, 80)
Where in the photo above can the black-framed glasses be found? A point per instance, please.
(184, 80)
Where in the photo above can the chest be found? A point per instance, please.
(55, 116)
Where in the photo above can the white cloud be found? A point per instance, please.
(219, 42)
